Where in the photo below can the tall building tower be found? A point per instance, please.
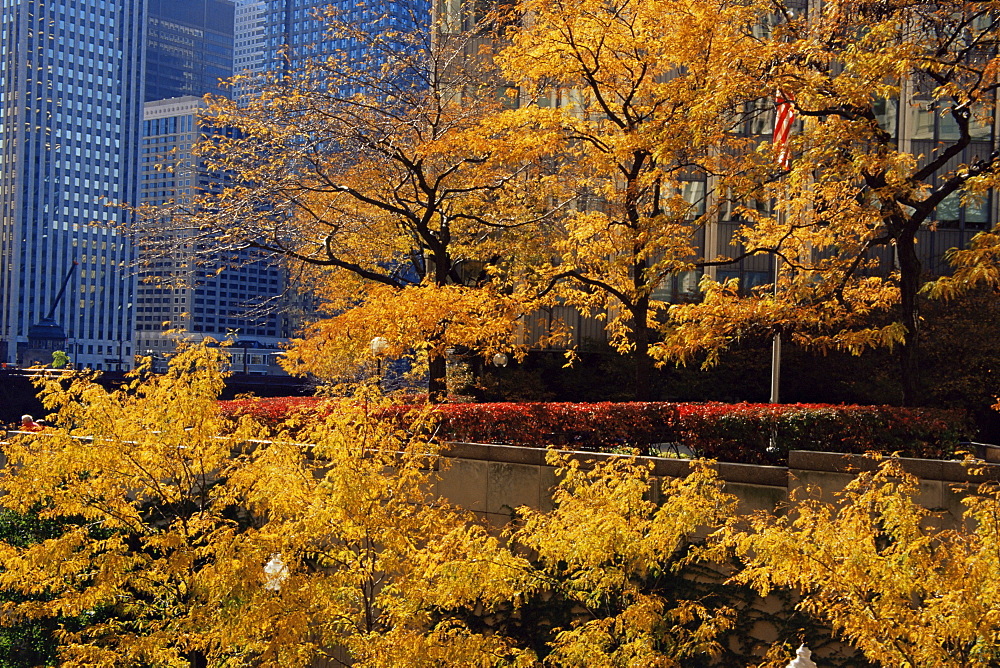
(295, 31)
(184, 294)
(249, 31)
(70, 118)
(189, 47)
(292, 33)
(227, 297)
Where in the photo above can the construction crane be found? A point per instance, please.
(47, 335)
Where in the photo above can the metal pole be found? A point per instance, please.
(776, 343)
(775, 367)
(776, 340)
(772, 446)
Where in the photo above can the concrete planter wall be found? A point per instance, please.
(493, 480)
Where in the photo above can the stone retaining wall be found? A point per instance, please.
(493, 480)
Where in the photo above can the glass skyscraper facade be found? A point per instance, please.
(188, 295)
(294, 32)
(189, 47)
(248, 43)
(70, 123)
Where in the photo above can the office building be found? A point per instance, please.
(295, 30)
(70, 123)
(186, 294)
(189, 48)
(249, 30)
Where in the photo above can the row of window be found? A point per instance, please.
(168, 125)
(220, 329)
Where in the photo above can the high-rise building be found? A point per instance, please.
(249, 36)
(189, 47)
(293, 31)
(70, 118)
(296, 31)
(187, 294)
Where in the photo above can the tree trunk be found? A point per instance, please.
(437, 363)
(437, 378)
(909, 285)
(643, 363)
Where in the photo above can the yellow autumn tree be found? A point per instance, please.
(387, 176)
(647, 97)
(131, 477)
(184, 539)
(345, 522)
(185, 542)
(419, 601)
(411, 322)
(895, 146)
(878, 567)
(604, 547)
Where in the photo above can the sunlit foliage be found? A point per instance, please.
(183, 539)
(387, 177)
(878, 567)
(896, 101)
(647, 97)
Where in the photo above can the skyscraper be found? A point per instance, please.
(189, 47)
(70, 118)
(295, 30)
(182, 293)
(248, 36)
(186, 293)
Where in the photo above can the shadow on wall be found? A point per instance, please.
(17, 397)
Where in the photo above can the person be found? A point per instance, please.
(28, 423)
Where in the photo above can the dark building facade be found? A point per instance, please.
(186, 295)
(295, 31)
(189, 47)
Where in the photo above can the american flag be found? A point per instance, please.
(784, 117)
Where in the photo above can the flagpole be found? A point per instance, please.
(776, 341)
(783, 118)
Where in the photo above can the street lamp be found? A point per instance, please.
(500, 360)
(803, 658)
(378, 346)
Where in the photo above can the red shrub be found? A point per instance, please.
(750, 433)
(268, 410)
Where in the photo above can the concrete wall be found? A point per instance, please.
(493, 480)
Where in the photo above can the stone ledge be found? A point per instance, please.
(490, 452)
(754, 474)
(773, 476)
(926, 469)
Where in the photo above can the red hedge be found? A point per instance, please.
(750, 433)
